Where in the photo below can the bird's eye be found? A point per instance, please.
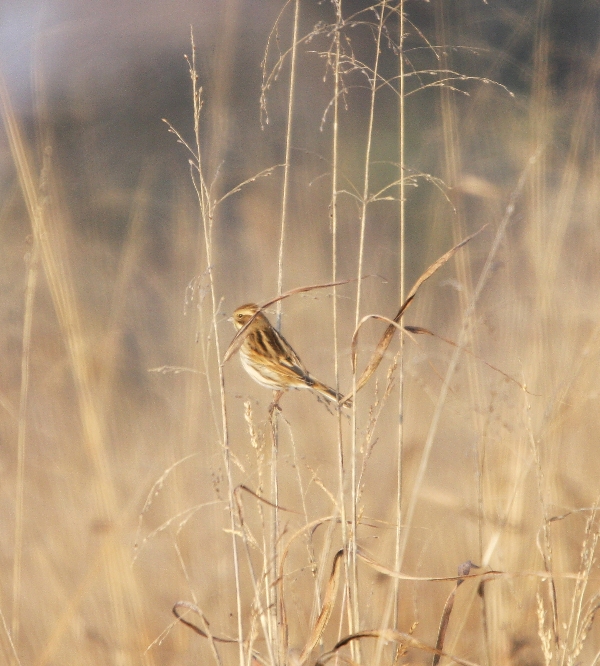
(239, 315)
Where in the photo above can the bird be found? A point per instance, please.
(270, 360)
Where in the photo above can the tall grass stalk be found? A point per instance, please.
(276, 607)
(338, 88)
(373, 85)
(30, 290)
(207, 213)
(288, 155)
(401, 291)
(391, 611)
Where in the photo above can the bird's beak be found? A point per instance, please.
(230, 319)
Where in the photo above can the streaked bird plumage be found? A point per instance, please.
(269, 359)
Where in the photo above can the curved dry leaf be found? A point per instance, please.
(463, 569)
(205, 633)
(384, 343)
(237, 490)
(418, 330)
(325, 614)
(390, 635)
(427, 579)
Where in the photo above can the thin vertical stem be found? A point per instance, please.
(391, 608)
(334, 231)
(401, 336)
(207, 213)
(545, 544)
(462, 339)
(30, 290)
(334, 195)
(288, 149)
(276, 609)
(363, 223)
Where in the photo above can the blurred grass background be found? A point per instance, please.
(89, 85)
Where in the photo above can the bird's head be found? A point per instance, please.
(243, 314)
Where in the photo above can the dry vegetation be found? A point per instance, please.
(140, 471)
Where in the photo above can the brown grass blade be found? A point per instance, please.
(390, 635)
(463, 569)
(384, 343)
(418, 330)
(241, 487)
(440, 262)
(205, 633)
(325, 614)
(486, 575)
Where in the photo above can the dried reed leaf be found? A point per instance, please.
(390, 635)
(279, 581)
(247, 534)
(241, 487)
(463, 570)
(325, 614)
(309, 527)
(486, 575)
(205, 633)
(418, 330)
(384, 343)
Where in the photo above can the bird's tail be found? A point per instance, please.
(329, 393)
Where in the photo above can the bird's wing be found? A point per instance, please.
(282, 351)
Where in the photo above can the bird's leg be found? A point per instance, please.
(275, 404)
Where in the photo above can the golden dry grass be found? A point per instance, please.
(133, 463)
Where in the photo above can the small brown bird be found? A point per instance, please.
(270, 360)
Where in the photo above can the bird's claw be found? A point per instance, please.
(274, 406)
